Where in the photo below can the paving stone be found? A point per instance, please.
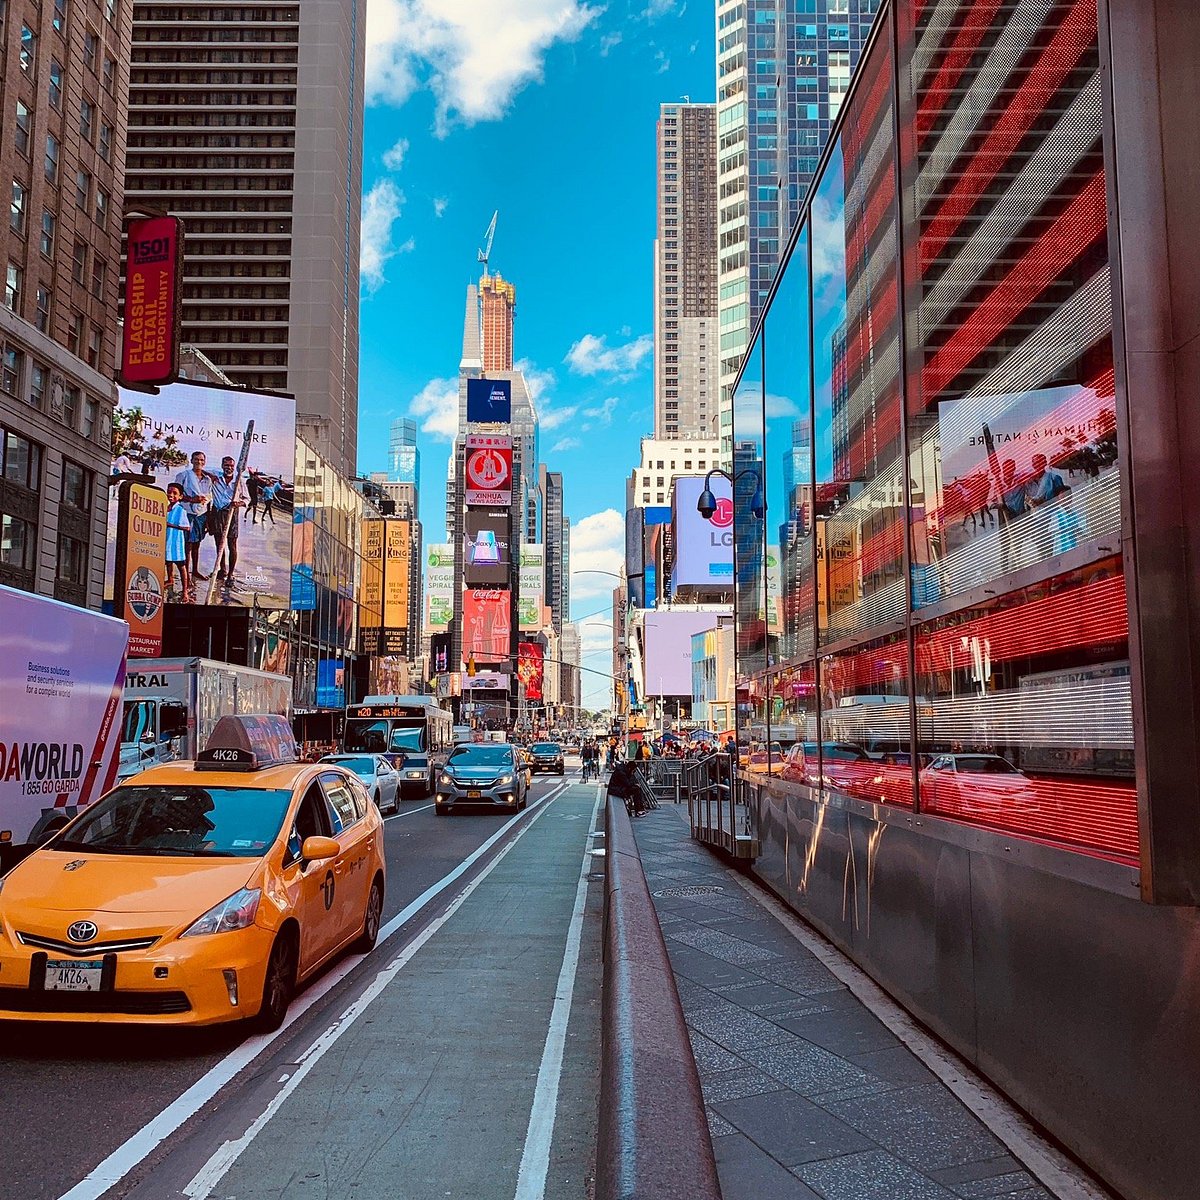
(805, 1068)
(846, 1033)
(805, 976)
(759, 996)
(717, 1125)
(924, 1125)
(736, 1029)
(703, 969)
(693, 996)
(1001, 1163)
(791, 1129)
(748, 1173)
(711, 1058)
(733, 1085)
(997, 1187)
(873, 1175)
(898, 1064)
(722, 945)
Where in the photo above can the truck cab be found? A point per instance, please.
(153, 731)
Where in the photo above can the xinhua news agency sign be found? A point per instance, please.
(153, 274)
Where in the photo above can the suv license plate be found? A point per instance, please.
(73, 975)
(474, 794)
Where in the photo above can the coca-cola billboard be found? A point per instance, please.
(487, 624)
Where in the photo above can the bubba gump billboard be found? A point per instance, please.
(141, 566)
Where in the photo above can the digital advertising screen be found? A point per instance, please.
(532, 585)
(487, 624)
(439, 585)
(531, 670)
(489, 400)
(487, 553)
(489, 470)
(703, 548)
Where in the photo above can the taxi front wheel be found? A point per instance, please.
(279, 986)
(371, 918)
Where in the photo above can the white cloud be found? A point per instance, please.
(592, 355)
(609, 42)
(664, 63)
(436, 404)
(554, 417)
(473, 58)
(660, 8)
(380, 211)
(440, 204)
(597, 544)
(393, 159)
(603, 412)
(564, 444)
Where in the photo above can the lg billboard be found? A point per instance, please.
(703, 549)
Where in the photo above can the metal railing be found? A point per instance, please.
(665, 777)
(717, 809)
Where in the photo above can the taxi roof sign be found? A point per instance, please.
(248, 743)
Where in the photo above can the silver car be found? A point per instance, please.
(488, 774)
(376, 773)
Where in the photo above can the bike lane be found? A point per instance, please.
(469, 1066)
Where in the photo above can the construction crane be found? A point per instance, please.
(485, 253)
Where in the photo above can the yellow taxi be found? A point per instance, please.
(196, 893)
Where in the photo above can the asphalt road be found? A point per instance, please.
(71, 1096)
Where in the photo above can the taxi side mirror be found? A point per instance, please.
(317, 848)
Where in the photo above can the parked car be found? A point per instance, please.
(548, 757)
(376, 772)
(486, 774)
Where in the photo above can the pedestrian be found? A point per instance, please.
(196, 484)
(254, 486)
(1045, 483)
(229, 495)
(178, 528)
(269, 492)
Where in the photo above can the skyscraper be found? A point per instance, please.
(498, 303)
(250, 129)
(781, 76)
(404, 456)
(685, 273)
(62, 92)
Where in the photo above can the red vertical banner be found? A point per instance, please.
(531, 670)
(153, 275)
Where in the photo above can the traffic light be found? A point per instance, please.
(471, 665)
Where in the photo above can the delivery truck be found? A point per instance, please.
(62, 670)
(172, 704)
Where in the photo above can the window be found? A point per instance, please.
(22, 460)
(10, 375)
(39, 381)
(110, 11)
(75, 333)
(87, 119)
(52, 152)
(18, 542)
(28, 49)
(45, 303)
(79, 263)
(14, 283)
(48, 228)
(102, 206)
(56, 84)
(91, 415)
(110, 73)
(83, 188)
(20, 198)
(106, 134)
(99, 276)
(71, 407)
(72, 560)
(60, 15)
(95, 343)
(21, 138)
(76, 486)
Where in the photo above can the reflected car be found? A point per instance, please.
(376, 773)
(195, 893)
(761, 762)
(548, 757)
(982, 785)
(844, 764)
(482, 774)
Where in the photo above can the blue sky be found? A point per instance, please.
(544, 110)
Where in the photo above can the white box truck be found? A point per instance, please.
(62, 670)
(172, 704)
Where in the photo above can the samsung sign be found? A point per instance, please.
(703, 549)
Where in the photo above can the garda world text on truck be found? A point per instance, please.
(60, 693)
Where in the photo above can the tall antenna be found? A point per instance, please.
(485, 253)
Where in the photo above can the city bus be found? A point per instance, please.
(415, 732)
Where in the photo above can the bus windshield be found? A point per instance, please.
(407, 739)
(369, 737)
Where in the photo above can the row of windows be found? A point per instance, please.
(68, 404)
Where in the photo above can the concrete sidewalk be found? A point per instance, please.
(809, 1095)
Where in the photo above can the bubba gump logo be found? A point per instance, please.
(143, 596)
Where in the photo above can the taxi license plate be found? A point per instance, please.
(73, 975)
(474, 794)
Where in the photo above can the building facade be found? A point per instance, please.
(497, 307)
(247, 124)
(404, 454)
(685, 277)
(782, 71)
(662, 460)
(976, 461)
(63, 75)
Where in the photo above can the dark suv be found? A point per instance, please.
(546, 756)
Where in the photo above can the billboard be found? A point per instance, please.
(703, 549)
(532, 586)
(150, 335)
(141, 565)
(161, 438)
(487, 552)
(489, 400)
(439, 585)
(304, 585)
(531, 670)
(331, 683)
(487, 623)
(439, 653)
(489, 469)
(370, 592)
(397, 562)
(669, 649)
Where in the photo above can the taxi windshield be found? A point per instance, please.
(180, 820)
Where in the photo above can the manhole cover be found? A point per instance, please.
(695, 889)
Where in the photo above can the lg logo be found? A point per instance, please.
(723, 517)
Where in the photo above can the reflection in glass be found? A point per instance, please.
(749, 563)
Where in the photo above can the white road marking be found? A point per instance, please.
(407, 814)
(535, 1159)
(143, 1143)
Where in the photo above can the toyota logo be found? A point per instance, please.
(723, 517)
(82, 931)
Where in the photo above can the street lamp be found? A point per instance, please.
(706, 506)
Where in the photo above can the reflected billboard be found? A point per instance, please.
(703, 548)
(193, 435)
(487, 551)
(487, 624)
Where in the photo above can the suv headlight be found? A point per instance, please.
(446, 778)
(504, 779)
(236, 912)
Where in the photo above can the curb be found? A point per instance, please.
(653, 1141)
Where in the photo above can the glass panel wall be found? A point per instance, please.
(748, 493)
